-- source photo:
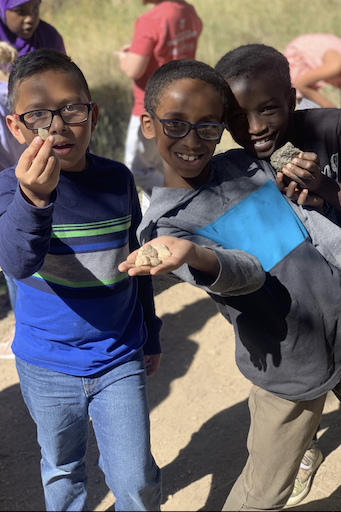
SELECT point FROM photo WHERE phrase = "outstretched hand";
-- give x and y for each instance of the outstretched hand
(38, 171)
(180, 253)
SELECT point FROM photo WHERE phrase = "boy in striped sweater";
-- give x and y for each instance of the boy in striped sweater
(86, 335)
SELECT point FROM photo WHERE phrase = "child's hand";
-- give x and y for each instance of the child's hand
(152, 363)
(38, 171)
(299, 178)
(305, 170)
(301, 196)
(180, 250)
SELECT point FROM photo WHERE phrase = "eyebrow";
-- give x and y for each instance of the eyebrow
(177, 116)
(268, 101)
(64, 103)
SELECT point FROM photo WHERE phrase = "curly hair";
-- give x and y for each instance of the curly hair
(253, 60)
(179, 70)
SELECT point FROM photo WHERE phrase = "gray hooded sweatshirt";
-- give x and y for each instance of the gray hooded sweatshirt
(280, 272)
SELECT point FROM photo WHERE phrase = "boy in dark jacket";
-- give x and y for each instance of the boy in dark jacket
(266, 262)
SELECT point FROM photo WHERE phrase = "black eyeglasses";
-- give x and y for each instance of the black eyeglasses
(71, 114)
(179, 129)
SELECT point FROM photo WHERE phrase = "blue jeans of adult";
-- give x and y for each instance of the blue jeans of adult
(116, 401)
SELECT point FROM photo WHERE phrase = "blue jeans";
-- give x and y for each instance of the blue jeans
(116, 401)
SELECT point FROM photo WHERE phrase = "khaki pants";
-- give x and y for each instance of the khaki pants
(280, 432)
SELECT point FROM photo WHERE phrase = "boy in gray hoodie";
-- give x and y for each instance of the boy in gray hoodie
(269, 265)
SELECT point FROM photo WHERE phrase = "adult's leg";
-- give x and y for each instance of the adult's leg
(120, 417)
(142, 158)
(58, 405)
(280, 432)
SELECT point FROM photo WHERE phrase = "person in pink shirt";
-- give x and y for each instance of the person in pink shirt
(168, 31)
(314, 60)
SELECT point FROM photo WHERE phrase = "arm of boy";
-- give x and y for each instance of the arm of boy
(217, 270)
(182, 251)
(38, 171)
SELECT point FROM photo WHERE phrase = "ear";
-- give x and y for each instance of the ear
(292, 99)
(94, 116)
(15, 129)
(147, 125)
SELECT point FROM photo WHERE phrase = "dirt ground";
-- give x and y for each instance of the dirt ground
(199, 419)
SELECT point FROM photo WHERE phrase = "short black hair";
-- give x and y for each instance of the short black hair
(253, 60)
(181, 69)
(38, 62)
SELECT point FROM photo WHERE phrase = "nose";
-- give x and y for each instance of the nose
(257, 124)
(31, 15)
(57, 125)
(192, 140)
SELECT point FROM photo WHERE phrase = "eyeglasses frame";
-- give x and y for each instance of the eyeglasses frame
(20, 117)
(190, 127)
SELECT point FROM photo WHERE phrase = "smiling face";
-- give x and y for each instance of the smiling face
(54, 90)
(23, 20)
(187, 160)
(259, 115)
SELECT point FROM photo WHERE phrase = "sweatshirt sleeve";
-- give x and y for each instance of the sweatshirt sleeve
(25, 230)
(240, 272)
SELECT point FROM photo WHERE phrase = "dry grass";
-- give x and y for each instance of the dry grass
(93, 30)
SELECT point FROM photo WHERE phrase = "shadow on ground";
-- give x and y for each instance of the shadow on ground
(20, 485)
(218, 448)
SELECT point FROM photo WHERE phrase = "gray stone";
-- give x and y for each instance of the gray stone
(282, 156)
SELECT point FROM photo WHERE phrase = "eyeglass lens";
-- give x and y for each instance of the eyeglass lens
(71, 114)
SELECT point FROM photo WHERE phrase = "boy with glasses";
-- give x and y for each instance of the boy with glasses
(269, 265)
(86, 335)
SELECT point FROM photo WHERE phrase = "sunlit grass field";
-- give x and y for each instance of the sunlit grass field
(93, 29)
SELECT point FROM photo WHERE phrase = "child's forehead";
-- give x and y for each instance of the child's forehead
(183, 91)
(49, 86)
(51, 78)
(183, 85)
(266, 83)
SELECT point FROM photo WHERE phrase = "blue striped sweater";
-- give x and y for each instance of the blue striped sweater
(76, 313)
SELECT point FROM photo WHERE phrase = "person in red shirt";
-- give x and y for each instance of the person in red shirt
(168, 31)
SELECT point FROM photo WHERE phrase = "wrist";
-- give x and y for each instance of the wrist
(40, 201)
(330, 191)
(204, 259)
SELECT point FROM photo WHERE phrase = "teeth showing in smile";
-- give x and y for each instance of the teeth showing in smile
(187, 157)
(261, 142)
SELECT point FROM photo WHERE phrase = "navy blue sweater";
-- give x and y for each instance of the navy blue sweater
(76, 313)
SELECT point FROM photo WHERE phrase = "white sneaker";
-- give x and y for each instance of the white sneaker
(308, 467)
